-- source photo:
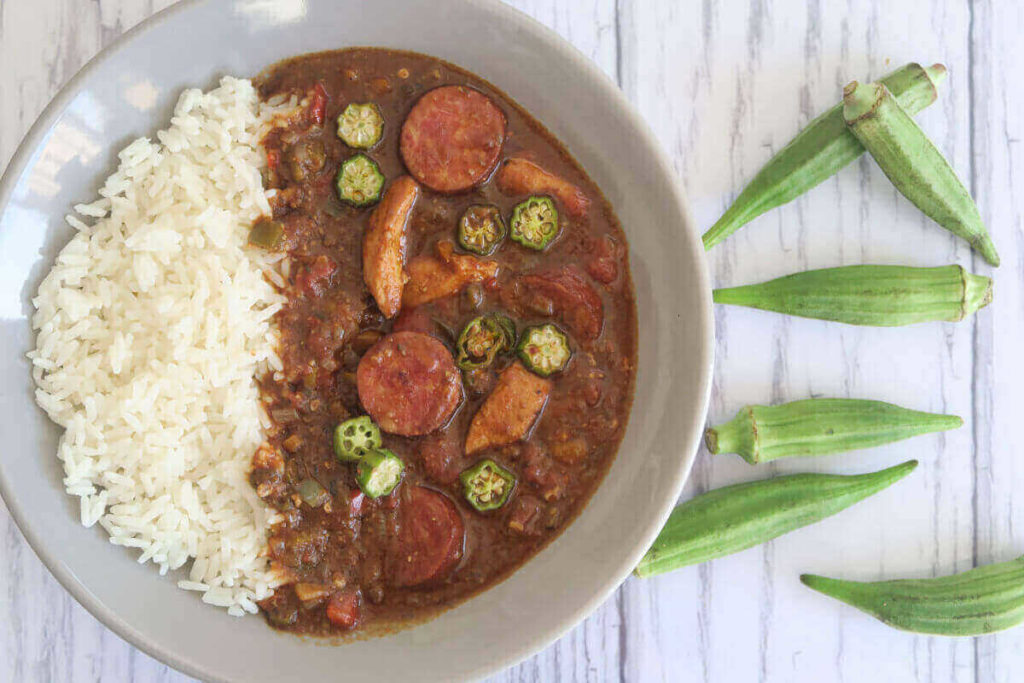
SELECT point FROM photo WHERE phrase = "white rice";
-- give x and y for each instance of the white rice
(151, 328)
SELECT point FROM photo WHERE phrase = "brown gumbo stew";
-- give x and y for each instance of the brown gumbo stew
(458, 342)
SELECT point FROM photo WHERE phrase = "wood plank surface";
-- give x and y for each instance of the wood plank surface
(724, 85)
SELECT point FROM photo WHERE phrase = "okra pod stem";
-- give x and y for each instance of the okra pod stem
(982, 600)
(818, 152)
(738, 517)
(819, 426)
(914, 165)
(868, 295)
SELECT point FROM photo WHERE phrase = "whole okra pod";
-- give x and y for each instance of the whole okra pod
(738, 517)
(868, 295)
(982, 600)
(819, 426)
(818, 152)
(913, 164)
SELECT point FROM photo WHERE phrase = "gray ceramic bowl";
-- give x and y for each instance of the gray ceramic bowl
(128, 91)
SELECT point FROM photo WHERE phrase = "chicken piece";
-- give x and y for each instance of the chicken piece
(518, 176)
(384, 245)
(510, 411)
(568, 294)
(435, 277)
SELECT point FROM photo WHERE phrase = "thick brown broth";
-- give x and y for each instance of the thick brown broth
(340, 555)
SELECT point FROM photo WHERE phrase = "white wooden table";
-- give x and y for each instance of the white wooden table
(724, 84)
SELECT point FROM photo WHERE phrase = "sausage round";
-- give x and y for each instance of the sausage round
(430, 538)
(452, 138)
(408, 383)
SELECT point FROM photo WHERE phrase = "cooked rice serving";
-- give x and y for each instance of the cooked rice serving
(152, 325)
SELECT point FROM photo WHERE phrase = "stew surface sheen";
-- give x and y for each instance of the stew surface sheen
(357, 563)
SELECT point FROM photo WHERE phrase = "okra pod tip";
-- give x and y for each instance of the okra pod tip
(816, 582)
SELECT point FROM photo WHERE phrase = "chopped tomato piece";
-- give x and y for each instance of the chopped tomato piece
(343, 609)
(318, 103)
(314, 280)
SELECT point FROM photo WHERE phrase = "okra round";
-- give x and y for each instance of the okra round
(734, 518)
(818, 152)
(819, 426)
(868, 295)
(978, 601)
(913, 164)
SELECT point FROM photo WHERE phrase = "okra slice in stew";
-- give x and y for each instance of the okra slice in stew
(379, 472)
(356, 437)
(266, 233)
(361, 125)
(359, 181)
(544, 349)
(482, 339)
(487, 485)
(481, 229)
(534, 223)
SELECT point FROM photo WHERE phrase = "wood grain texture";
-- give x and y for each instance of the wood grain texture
(723, 85)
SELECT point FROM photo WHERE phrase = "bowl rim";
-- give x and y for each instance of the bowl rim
(609, 90)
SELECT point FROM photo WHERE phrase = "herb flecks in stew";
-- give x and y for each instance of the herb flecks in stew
(430, 433)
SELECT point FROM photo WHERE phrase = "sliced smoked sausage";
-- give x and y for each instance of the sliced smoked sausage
(452, 138)
(408, 383)
(430, 538)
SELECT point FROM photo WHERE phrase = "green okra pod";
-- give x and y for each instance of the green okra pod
(868, 295)
(818, 152)
(913, 164)
(981, 600)
(738, 517)
(819, 426)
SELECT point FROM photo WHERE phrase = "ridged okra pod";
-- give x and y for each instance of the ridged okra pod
(982, 600)
(818, 152)
(913, 164)
(738, 517)
(819, 426)
(869, 295)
